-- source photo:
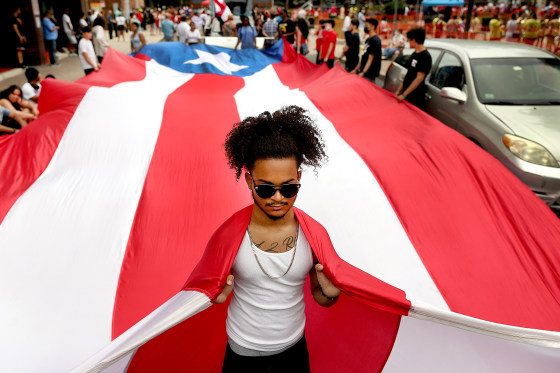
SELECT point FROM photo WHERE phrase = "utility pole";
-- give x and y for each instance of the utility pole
(396, 15)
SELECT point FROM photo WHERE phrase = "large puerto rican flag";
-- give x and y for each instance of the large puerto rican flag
(110, 197)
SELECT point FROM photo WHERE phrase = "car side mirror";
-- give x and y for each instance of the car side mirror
(454, 94)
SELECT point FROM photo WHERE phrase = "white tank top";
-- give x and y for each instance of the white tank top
(268, 314)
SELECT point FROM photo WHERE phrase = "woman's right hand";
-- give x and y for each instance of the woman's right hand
(227, 290)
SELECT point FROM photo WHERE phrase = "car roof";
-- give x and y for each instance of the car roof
(475, 49)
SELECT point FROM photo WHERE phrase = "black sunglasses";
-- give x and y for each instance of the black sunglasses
(268, 190)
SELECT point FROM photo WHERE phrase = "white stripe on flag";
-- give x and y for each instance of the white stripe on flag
(64, 240)
(182, 306)
(426, 346)
(343, 193)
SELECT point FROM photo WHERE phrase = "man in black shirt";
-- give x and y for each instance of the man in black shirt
(352, 48)
(370, 65)
(413, 88)
(287, 27)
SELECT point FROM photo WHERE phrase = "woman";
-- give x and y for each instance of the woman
(100, 42)
(193, 35)
(512, 29)
(229, 28)
(18, 36)
(137, 40)
(25, 110)
(302, 32)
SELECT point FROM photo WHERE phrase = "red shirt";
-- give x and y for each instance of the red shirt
(328, 38)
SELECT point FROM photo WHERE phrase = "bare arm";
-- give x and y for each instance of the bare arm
(238, 41)
(331, 47)
(89, 61)
(142, 42)
(415, 83)
(28, 105)
(226, 292)
(368, 65)
(323, 290)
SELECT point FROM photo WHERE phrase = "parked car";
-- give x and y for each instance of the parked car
(505, 97)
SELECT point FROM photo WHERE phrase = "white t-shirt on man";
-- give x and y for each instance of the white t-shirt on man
(86, 46)
(268, 315)
(28, 92)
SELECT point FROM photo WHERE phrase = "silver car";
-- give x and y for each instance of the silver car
(505, 97)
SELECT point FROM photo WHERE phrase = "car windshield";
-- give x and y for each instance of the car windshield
(517, 81)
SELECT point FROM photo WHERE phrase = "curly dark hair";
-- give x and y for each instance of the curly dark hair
(288, 132)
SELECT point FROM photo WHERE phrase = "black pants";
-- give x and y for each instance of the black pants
(88, 71)
(293, 360)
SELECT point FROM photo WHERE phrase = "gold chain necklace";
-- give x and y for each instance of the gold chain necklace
(259, 263)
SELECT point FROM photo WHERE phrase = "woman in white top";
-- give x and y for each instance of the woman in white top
(100, 43)
(121, 21)
(193, 35)
(512, 29)
(137, 40)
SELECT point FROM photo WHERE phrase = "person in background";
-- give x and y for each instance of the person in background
(168, 28)
(531, 29)
(182, 29)
(352, 48)
(50, 30)
(370, 63)
(495, 27)
(20, 41)
(111, 24)
(100, 43)
(121, 21)
(413, 88)
(347, 21)
(397, 44)
(302, 32)
(193, 35)
(270, 31)
(84, 21)
(287, 27)
(319, 41)
(512, 29)
(86, 52)
(246, 35)
(328, 43)
(11, 100)
(362, 23)
(32, 89)
(69, 30)
(229, 28)
(137, 39)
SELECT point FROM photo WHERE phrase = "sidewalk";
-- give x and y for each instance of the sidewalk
(69, 67)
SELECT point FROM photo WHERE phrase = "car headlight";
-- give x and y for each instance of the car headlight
(529, 151)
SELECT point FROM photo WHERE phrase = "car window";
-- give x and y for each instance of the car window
(517, 81)
(435, 54)
(449, 72)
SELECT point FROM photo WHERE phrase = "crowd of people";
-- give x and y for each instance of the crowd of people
(510, 23)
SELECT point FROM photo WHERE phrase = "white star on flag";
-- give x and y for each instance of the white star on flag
(221, 61)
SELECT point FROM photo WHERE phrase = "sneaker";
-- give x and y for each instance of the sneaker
(55, 64)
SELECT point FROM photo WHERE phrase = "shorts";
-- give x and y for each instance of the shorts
(120, 27)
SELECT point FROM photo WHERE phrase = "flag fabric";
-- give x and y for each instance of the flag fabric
(221, 9)
(111, 197)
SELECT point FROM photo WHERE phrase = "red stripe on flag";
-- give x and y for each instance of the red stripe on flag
(189, 191)
(488, 242)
